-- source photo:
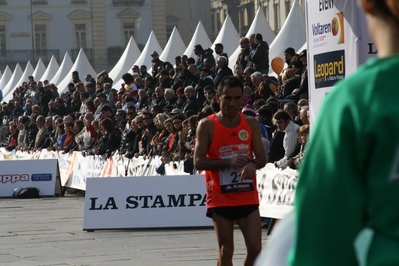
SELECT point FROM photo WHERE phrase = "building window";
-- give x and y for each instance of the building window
(128, 22)
(128, 31)
(80, 35)
(169, 30)
(2, 38)
(40, 37)
(213, 24)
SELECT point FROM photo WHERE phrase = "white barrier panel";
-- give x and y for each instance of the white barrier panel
(41, 174)
(276, 189)
(145, 202)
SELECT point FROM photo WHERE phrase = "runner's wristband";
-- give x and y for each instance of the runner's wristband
(256, 163)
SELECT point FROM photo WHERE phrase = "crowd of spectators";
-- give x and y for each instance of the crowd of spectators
(157, 113)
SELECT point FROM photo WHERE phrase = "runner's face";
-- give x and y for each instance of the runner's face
(230, 101)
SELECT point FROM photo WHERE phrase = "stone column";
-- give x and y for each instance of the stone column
(99, 37)
(159, 20)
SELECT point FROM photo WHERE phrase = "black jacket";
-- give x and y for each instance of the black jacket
(260, 57)
(224, 72)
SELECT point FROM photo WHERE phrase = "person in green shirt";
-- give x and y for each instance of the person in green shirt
(349, 179)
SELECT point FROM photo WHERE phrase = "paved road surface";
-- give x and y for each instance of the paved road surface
(48, 231)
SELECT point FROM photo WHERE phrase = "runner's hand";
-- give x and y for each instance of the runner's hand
(248, 172)
(239, 161)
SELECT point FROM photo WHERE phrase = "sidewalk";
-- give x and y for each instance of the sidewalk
(48, 231)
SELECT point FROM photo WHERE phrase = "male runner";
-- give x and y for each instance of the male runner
(229, 147)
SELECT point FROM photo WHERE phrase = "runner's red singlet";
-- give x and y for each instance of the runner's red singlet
(224, 187)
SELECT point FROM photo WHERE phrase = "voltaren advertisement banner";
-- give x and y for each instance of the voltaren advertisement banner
(41, 174)
(338, 42)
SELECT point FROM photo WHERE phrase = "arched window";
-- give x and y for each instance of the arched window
(128, 23)
(80, 20)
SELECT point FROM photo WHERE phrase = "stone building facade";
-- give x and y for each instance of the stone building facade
(33, 29)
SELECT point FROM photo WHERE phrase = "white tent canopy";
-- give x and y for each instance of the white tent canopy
(27, 72)
(228, 36)
(151, 46)
(16, 75)
(5, 78)
(292, 34)
(304, 47)
(39, 70)
(82, 65)
(199, 37)
(145, 56)
(259, 25)
(51, 70)
(173, 48)
(131, 53)
(64, 68)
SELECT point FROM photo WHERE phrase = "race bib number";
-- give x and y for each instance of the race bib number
(231, 182)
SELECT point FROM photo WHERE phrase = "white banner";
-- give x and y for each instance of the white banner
(276, 189)
(145, 202)
(338, 42)
(41, 174)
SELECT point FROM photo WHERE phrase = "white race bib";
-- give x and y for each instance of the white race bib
(231, 182)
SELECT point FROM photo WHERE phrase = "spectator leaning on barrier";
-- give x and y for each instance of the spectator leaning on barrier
(303, 134)
(290, 140)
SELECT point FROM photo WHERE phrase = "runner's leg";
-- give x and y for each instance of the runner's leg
(251, 228)
(224, 233)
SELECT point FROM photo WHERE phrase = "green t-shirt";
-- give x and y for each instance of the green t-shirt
(347, 178)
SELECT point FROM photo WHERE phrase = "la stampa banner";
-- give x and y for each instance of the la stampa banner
(338, 42)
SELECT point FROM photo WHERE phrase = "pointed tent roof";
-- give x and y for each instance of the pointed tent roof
(82, 65)
(63, 69)
(259, 25)
(51, 70)
(200, 37)
(228, 36)
(173, 48)
(27, 72)
(39, 70)
(292, 34)
(16, 75)
(151, 46)
(131, 53)
(5, 78)
(304, 47)
(145, 56)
